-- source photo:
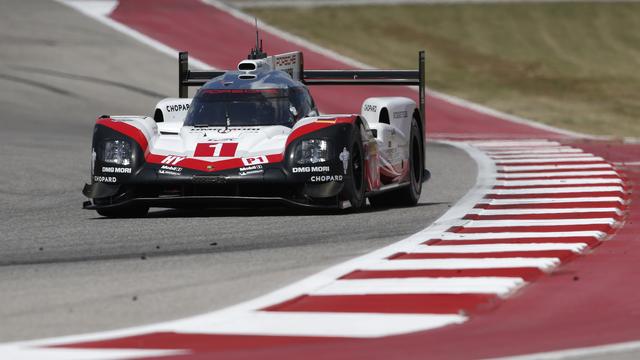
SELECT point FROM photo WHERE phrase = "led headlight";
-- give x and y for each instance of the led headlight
(117, 152)
(312, 152)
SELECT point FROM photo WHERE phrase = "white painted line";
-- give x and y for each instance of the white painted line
(521, 235)
(510, 168)
(529, 151)
(502, 144)
(281, 323)
(587, 181)
(557, 190)
(577, 211)
(545, 222)
(17, 352)
(556, 174)
(585, 200)
(484, 248)
(484, 181)
(603, 352)
(455, 285)
(547, 160)
(453, 264)
(543, 156)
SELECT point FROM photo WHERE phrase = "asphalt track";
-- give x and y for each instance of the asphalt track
(64, 270)
(580, 305)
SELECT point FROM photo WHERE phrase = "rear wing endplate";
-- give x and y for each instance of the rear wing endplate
(187, 78)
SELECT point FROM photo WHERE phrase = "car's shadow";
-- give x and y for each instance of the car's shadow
(264, 211)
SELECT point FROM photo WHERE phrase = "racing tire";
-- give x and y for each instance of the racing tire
(354, 184)
(410, 194)
(123, 212)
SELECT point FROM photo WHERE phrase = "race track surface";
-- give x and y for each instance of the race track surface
(64, 270)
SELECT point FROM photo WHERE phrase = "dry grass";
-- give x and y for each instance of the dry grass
(575, 66)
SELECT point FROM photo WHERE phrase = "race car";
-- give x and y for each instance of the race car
(255, 135)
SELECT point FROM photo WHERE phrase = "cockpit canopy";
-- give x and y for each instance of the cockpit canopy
(233, 101)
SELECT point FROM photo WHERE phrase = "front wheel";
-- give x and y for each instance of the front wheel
(354, 184)
(410, 194)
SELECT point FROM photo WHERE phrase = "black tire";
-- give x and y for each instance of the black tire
(127, 211)
(354, 184)
(410, 194)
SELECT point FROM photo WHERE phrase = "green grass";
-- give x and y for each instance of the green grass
(575, 66)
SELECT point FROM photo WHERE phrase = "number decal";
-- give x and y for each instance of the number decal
(226, 149)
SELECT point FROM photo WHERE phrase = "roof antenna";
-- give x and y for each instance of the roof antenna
(257, 53)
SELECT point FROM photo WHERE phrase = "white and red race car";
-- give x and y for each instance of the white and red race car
(255, 134)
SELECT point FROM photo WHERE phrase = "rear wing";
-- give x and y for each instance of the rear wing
(187, 78)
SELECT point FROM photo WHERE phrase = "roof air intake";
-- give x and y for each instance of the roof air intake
(247, 66)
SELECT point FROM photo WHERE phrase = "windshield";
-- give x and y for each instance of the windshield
(241, 107)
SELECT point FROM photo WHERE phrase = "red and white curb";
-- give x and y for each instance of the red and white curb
(536, 205)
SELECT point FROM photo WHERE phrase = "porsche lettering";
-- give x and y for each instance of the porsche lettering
(370, 108)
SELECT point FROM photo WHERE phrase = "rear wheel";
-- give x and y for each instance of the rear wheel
(126, 211)
(410, 194)
(354, 184)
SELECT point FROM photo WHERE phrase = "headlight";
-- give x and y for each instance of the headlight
(312, 152)
(117, 152)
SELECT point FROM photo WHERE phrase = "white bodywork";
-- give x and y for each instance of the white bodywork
(172, 138)
(174, 110)
(391, 119)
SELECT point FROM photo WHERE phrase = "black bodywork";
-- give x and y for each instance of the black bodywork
(174, 186)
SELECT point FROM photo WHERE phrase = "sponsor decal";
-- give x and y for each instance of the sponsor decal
(286, 59)
(223, 130)
(370, 108)
(252, 167)
(399, 114)
(217, 149)
(177, 107)
(170, 170)
(326, 121)
(117, 170)
(255, 160)
(325, 178)
(172, 159)
(344, 157)
(105, 179)
(251, 170)
(307, 169)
